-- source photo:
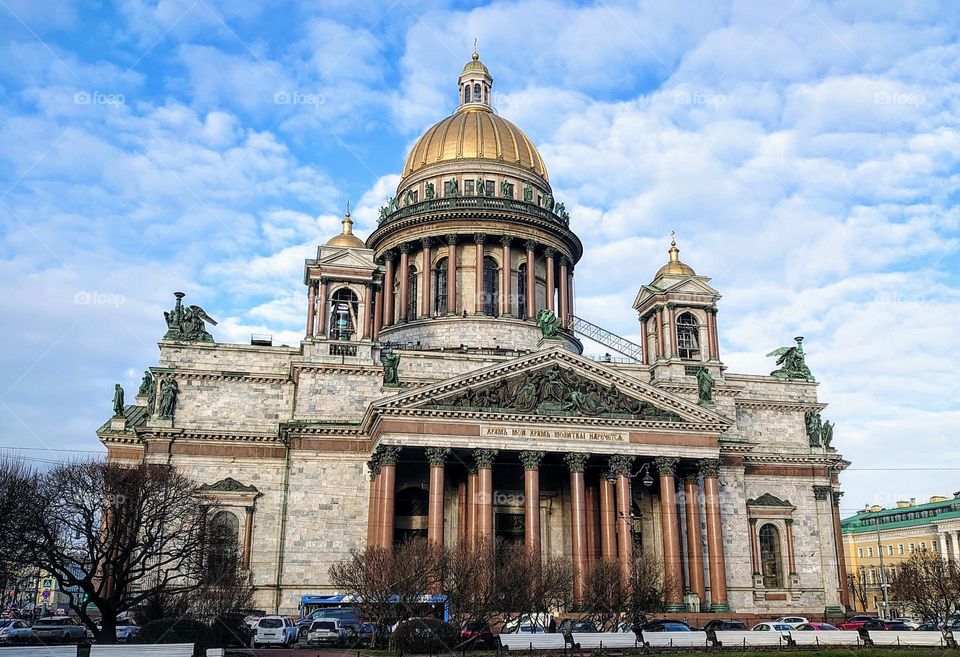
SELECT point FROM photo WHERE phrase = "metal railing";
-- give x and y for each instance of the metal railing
(474, 203)
(608, 339)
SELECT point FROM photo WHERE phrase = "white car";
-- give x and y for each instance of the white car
(14, 629)
(773, 626)
(326, 631)
(275, 631)
(909, 622)
(792, 621)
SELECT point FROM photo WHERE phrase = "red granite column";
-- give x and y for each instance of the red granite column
(506, 291)
(388, 289)
(404, 275)
(754, 547)
(427, 296)
(791, 557)
(551, 282)
(564, 294)
(578, 523)
(311, 306)
(436, 456)
(531, 501)
(593, 533)
(570, 295)
(670, 527)
(710, 469)
(388, 475)
(247, 538)
(478, 296)
(364, 310)
(841, 556)
(472, 506)
(322, 309)
(691, 495)
(661, 343)
(484, 460)
(672, 318)
(373, 508)
(451, 274)
(531, 280)
(608, 520)
(620, 464)
(462, 511)
(378, 311)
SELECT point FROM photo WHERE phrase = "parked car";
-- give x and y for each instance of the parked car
(817, 627)
(478, 634)
(579, 626)
(792, 621)
(856, 622)
(909, 622)
(326, 632)
(14, 630)
(665, 625)
(528, 624)
(54, 629)
(773, 626)
(275, 631)
(720, 624)
(877, 624)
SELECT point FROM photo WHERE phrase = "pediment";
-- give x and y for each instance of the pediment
(349, 258)
(692, 285)
(769, 500)
(228, 485)
(555, 384)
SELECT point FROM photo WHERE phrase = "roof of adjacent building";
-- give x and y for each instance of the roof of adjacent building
(899, 517)
(136, 416)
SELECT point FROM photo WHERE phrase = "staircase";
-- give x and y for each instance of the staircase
(611, 340)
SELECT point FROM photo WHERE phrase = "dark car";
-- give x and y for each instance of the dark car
(855, 622)
(722, 625)
(475, 634)
(665, 626)
(884, 625)
(581, 626)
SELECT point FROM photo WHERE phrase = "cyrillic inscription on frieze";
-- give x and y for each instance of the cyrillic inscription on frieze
(547, 433)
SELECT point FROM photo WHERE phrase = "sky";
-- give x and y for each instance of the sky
(805, 153)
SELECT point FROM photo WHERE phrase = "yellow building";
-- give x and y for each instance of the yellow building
(876, 540)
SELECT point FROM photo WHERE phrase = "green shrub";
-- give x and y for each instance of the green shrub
(425, 636)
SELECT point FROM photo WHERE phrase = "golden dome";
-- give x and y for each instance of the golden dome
(674, 267)
(476, 66)
(346, 239)
(475, 132)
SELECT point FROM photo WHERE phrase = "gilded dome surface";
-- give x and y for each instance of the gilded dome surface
(475, 133)
(346, 238)
(674, 267)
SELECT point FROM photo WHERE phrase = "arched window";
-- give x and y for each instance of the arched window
(466, 93)
(771, 565)
(491, 286)
(223, 547)
(411, 293)
(343, 315)
(440, 289)
(688, 336)
(476, 91)
(522, 291)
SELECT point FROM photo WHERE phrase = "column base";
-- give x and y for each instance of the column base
(675, 606)
(719, 608)
(834, 610)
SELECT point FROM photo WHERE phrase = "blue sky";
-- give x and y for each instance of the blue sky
(805, 152)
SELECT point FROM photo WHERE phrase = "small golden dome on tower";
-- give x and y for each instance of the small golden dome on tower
(674, 267)
(346, 239)
(475, 65)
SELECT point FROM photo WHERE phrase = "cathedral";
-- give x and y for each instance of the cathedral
(441, 390)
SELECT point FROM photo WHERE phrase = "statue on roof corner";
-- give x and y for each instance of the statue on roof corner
(391, 364)
(705, 384)
(548, 322)
(792, 363)
(186, 323)
(117, 400)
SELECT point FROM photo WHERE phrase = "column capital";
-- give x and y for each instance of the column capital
(565, 261)
(530, 245)
(666, 465)
(373, 465)
(452, 238)
(437, 455)
(709, 467)
(576, 461)
(691, 478)
(388, 256)
(531, 460)
(505, 240)
(822, 492)
(484, 457)
(387, 454)
(837, 494)
(426, 242)
(479, 238)
(621, 463)
(404, 248)
(788, 522)
(550, 252)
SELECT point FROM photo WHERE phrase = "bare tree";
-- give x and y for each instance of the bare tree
(857, 583)
(605, 597)
(115, 536)
(470, 582)
(17, 484)
(929, 585)
(647, 588)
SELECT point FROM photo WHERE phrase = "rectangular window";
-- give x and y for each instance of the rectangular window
(870, 552)
(413, 195)
(900, 549)
(489, 188)
(890, 550)
(860, 552)
(468, 188)
(923, 545)
(912, 548)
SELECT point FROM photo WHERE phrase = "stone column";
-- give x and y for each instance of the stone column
(484, 460)
(578, 522)
(451, 274)
(531, 501)
(841, 554)
(364, 309)
(506, 291)
(373, 508)
(570, 296)
(427, 285)
(608, 520)
(478, 297)
(621, 464)
(564, 296)
(944, 554)
(436, 456)
(388, 478)
(461, 511)
(710, 469)
(714, 337)
(404, 275)
(593, 533)
(754, 548)
(531, 280)
(672, 318)
(691, 494)
(388, 289)
(791, 557)
(471, 506)
(247, 537)
(670, 527)
(311, 306)
(955, 543)
(661, 343)
(322, 309)
(377, 311)
(551, 282)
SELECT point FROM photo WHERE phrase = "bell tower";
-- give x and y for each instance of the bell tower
(678, 321)
(476, 84)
